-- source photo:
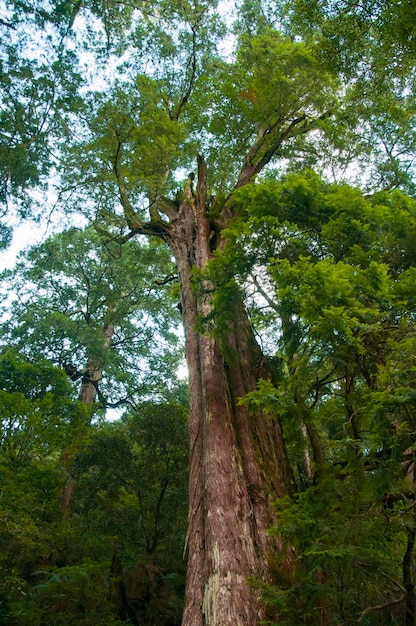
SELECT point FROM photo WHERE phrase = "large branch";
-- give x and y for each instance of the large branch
(166, 206)
(382, 607)
(174, 115)
(137, 226)
(201, 187)
(260, 155)
(133, 220)
(150, 229)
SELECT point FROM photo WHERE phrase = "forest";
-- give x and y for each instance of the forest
(208, 357)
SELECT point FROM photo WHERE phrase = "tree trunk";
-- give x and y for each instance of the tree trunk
(90, 380)
(238, 464)
(87, 395)
(408, 577)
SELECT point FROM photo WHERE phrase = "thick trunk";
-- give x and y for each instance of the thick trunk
(89, 382)
(238, 464)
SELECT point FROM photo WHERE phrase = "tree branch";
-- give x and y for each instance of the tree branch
(265, 295)
(167, 206)
(107, 236)
(380, 607)
(7, 24)
(299, 126)
(174, 116)
(160, 282)
(155, 227)
(132, 219)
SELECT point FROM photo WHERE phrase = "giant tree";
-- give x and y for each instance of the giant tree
(232, 118)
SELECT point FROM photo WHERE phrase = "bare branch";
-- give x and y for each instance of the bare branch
(160, 282)
(7, 24)
(380, 607)
(265, 295)
(175, 115)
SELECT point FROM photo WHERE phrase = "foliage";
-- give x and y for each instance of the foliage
(131, 495)
(334, 294)
(96, 303)
(117, 552)
(371, 45)
(38, 94)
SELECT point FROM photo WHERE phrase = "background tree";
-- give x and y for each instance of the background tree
(108, 325)
(107, 320)
(132, 494)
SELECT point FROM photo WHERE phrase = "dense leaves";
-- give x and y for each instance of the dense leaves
(335, 296)
(116, 553)
(87, 305)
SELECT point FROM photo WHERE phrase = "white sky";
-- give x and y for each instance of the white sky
(25, 235)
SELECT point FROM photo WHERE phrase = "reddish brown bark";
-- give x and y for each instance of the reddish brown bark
(238, 464)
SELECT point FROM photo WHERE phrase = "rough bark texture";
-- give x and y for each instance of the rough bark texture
(238, 464)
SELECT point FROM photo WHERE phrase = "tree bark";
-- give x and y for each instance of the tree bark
(238, 463)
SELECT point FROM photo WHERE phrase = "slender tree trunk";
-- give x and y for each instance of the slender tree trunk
(238, 464)
(89, 382)
(87, 395)
(408, 577)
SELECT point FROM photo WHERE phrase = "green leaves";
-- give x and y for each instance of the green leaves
(329, 279)
(282, 79)
(132, 138)
(333, 300)
(124, 531)
(82, 302)
(370, 46)
(36, 96)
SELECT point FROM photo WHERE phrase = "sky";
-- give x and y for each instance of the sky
(25, 235)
